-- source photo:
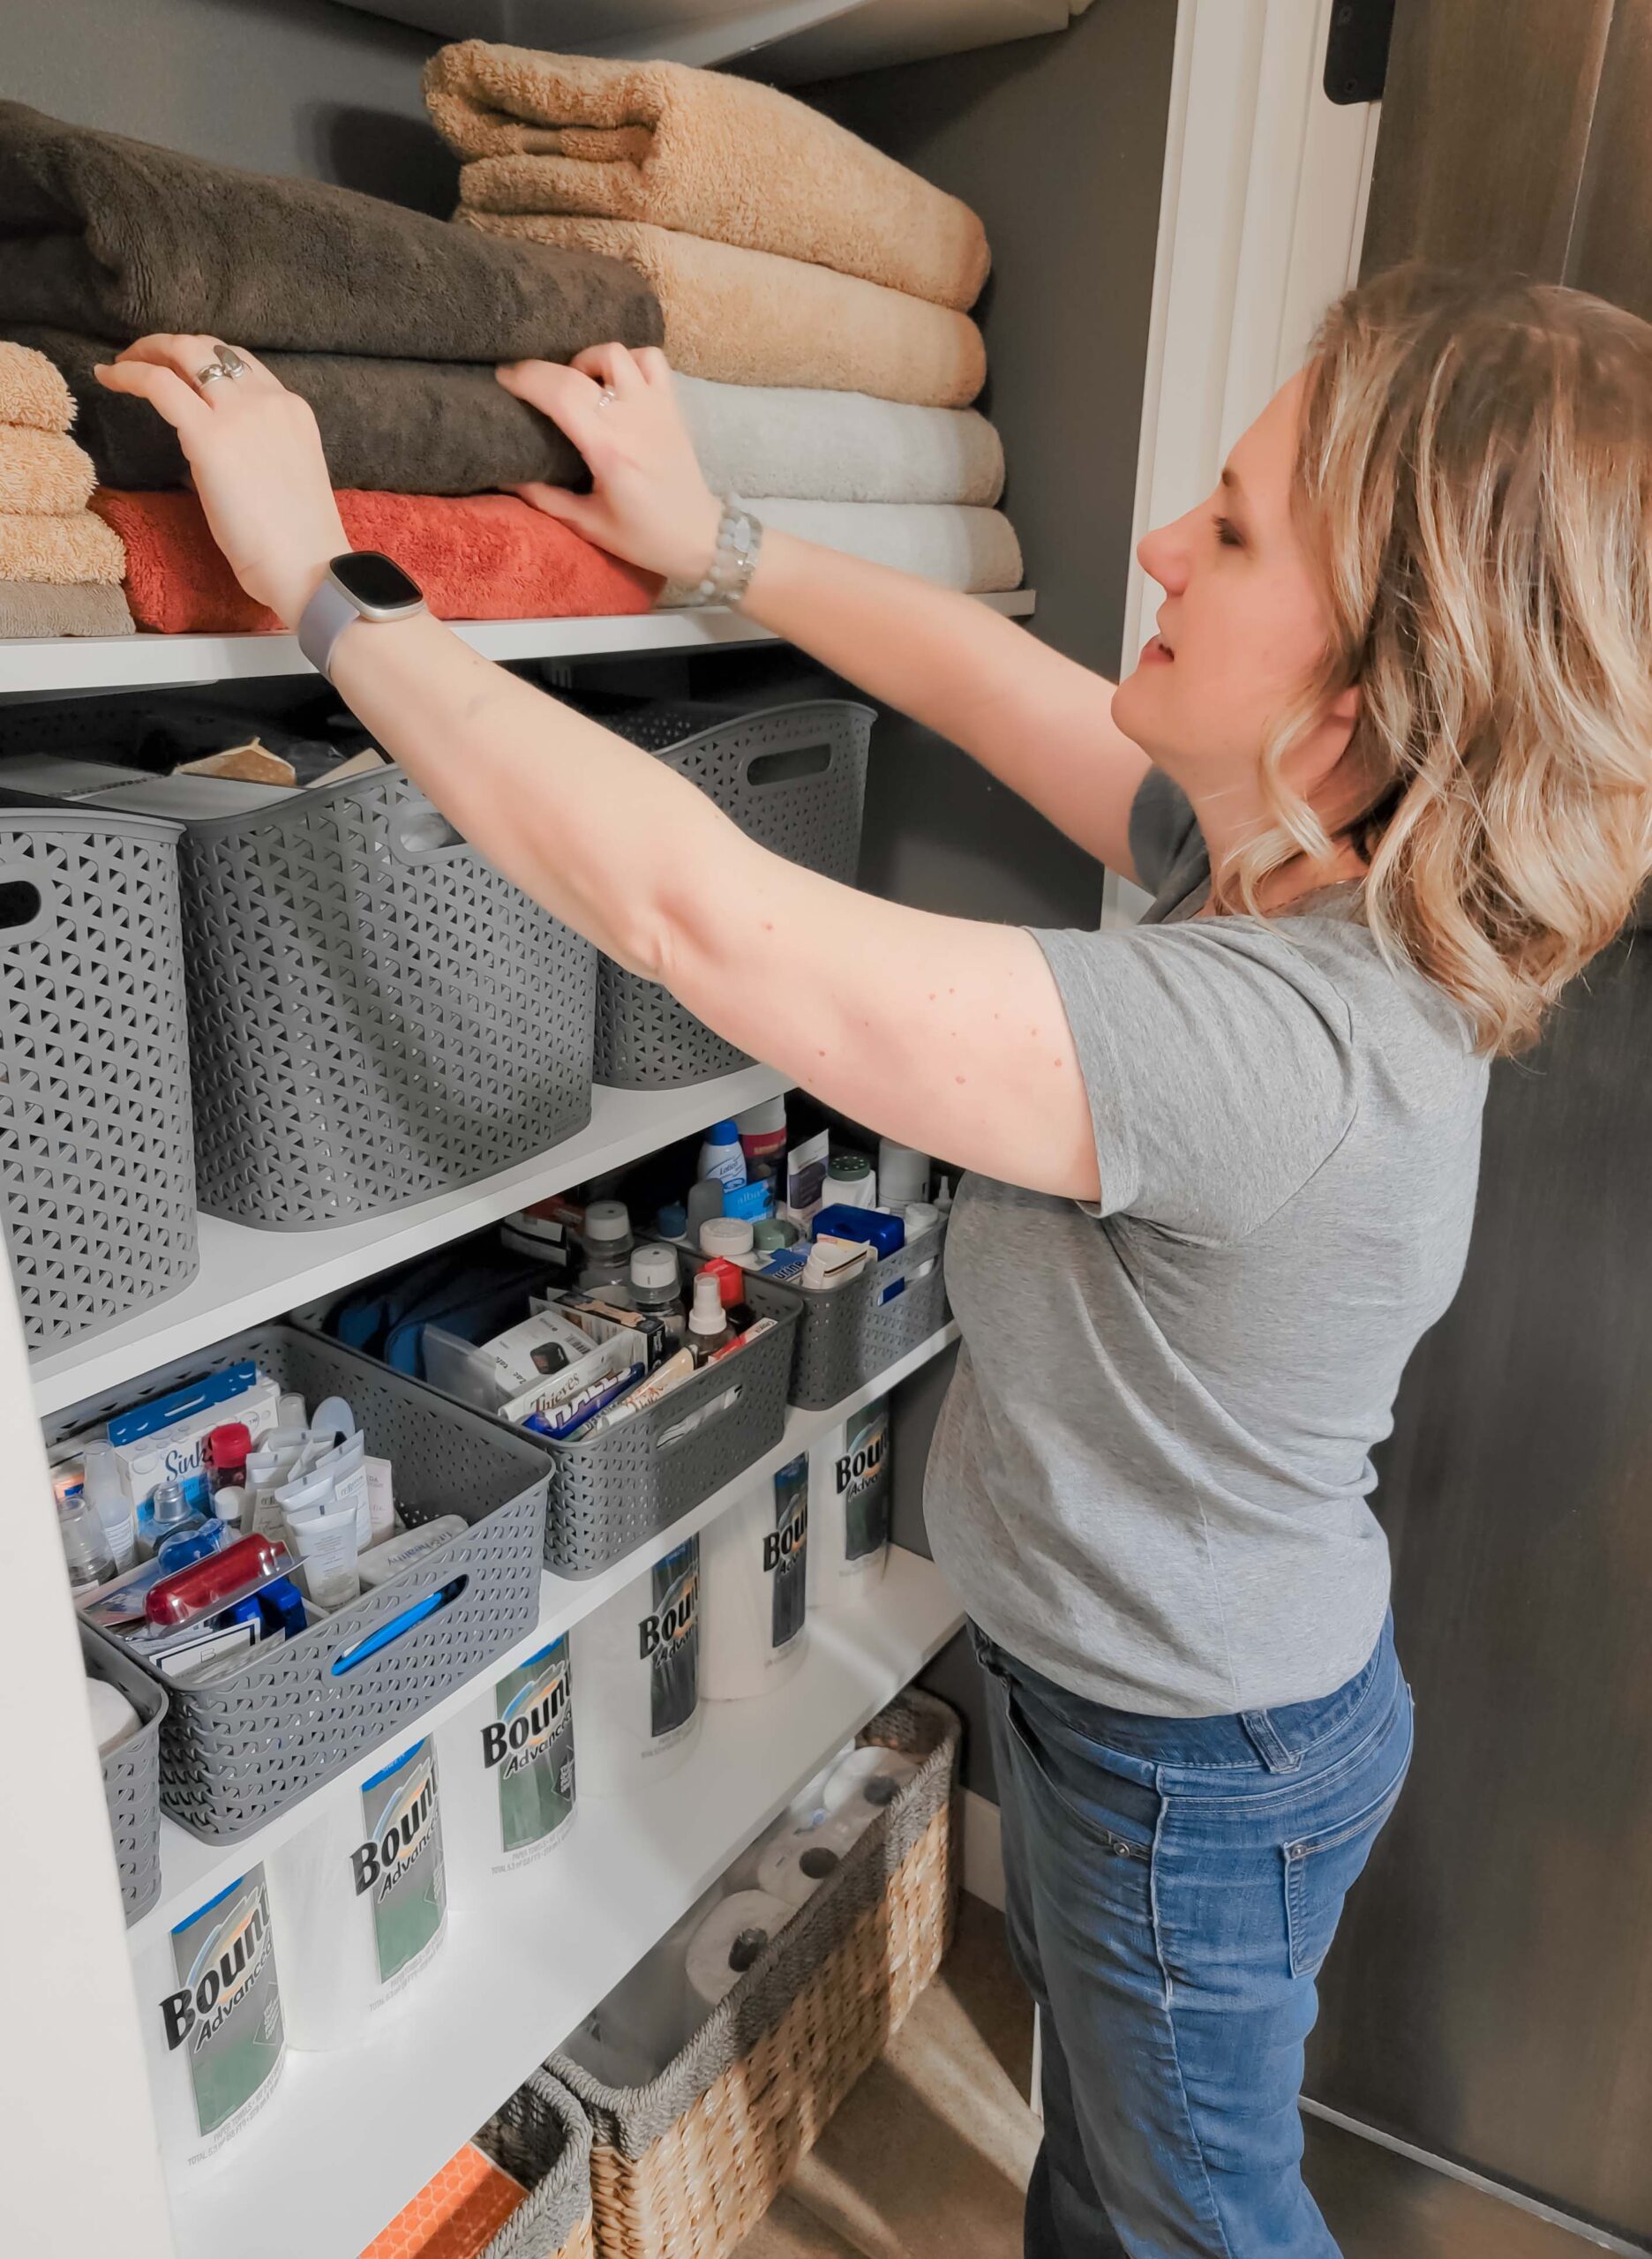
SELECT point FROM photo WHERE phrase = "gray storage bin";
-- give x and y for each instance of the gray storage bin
(131, 1773)
(848, 1335)
(793, 778)
(376, 1015)
(97, 1172)
(541, 2138)
(269, 1731)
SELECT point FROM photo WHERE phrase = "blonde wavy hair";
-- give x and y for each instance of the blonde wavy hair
(1475, 480)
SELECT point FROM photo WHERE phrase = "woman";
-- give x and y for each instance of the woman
(1386, 765)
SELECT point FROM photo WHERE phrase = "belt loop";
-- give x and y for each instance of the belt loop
(1265, 1739)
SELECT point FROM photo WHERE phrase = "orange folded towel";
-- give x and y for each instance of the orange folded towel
(456, 2214)
(43, 474)
(476, 556)
(31, 390)
(58, 550)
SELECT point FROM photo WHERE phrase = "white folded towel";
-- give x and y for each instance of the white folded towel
(756, 441)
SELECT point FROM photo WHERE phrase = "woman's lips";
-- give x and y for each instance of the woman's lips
(1156, 654)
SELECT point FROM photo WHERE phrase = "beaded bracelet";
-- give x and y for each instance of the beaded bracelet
(734, 560)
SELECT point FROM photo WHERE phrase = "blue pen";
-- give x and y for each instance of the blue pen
(397, 1624)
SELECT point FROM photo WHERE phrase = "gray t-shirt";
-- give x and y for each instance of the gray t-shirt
(1151, 1473)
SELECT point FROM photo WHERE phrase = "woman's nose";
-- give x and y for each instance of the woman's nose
(1162, 555)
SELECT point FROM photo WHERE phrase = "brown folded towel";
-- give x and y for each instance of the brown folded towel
(31, 392)
(403, 427)
(42, 473)
(61, 550)
(81, 608)
(111, 238)
(749, 318)
(701, 152)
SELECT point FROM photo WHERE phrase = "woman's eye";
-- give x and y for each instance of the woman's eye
(1226, 534)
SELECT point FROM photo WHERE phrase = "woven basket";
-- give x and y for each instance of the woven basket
(543, 2138)
(686, 2168)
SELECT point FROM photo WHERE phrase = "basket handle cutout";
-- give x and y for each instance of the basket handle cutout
(787, 765)
(718, 1408)
(419, 833)
(397, 1628)
(21, 902)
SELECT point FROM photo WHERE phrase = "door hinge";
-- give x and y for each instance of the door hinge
(1357, 50)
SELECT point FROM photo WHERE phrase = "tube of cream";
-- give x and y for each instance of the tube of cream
(327, 1548)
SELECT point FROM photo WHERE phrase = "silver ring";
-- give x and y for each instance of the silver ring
(606, 397)
(228, 364)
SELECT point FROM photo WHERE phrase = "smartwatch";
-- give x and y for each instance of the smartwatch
(363, 584)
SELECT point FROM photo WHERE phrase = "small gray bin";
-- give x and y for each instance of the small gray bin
(848, 1335)
(97, 1174)
(260, 1737)
(131, 1773)
(376, 1015)
(542, 2138)
(793, 778)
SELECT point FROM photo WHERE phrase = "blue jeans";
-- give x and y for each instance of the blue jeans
(1172, 1887)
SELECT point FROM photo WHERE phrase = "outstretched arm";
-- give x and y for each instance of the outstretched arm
(949, 1035)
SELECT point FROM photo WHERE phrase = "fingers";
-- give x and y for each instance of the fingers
(581, 514)
(612, 366)
(572, 400)
(165, 391)
(653, 367)
(188, 355)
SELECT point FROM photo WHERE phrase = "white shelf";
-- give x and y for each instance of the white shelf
(349, 2137)
(192, 1872)
(247, 1276)
(78, 664)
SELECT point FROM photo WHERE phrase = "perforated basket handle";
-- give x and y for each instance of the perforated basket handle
(804, 742)
(420, 833)
(24, 901)
(723, 1406)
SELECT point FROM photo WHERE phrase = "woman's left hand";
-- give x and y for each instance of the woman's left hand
(255, 458)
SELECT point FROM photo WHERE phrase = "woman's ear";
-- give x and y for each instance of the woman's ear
(1345, 706)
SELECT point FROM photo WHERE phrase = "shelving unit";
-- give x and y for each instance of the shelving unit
(349, 2137)
(81, 665)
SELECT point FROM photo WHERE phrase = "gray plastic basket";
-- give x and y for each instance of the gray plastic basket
(262, 1736)
(97, 1175)
(542, 2138)
(376, 1015)
(793, 778)
(848, 1335)
(131, 1773)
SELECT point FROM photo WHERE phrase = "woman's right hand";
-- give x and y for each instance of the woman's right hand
(648, 503)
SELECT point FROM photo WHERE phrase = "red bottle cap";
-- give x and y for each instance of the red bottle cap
(229, 1446)
(731, 1280)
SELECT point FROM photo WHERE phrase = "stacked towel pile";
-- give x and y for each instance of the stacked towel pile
(60, 567)
(388, 322)
(813, 292)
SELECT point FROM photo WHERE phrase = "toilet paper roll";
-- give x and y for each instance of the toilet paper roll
(210, 1996)
(806, 1809)
(794, 1865)
(849, 1509)
(755, 1615)
(866, 1783)
(610, 2056)
(507, 1773)
(731, 1937)
(636, 1667)
(360, 1901)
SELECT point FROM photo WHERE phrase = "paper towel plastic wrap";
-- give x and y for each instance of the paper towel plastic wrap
(865, 1783)
(723, 1947)
(849, 1509)
(754, 1615)
(793, 1864)
(636, 1676)
(360, 1902)
(507, 1782)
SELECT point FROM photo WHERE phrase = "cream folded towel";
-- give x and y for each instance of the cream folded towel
(61, 550)
(960, 548)
(82, 608)
(701, 152)
(749, 318)
(31, 391)
(839, 447)
(42, 473)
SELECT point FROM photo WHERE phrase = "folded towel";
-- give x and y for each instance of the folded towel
(31, 392)
(406, 427)
(839, 447)
(751, 317)
(477, 557)
(970, 549)
(59, 549)
(112, 237)
(83, 608)
(701, 152)
(43, 474)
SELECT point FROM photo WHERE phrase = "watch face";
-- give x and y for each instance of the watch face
(376, 580)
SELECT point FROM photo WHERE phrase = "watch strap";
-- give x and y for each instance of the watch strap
(327, 614)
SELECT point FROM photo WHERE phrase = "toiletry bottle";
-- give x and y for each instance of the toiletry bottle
(673, 1221)
(85, 1548)
(657, 1286)
(721, 1158)
(753, 1201)
(225, 1454)
(903, 1174)
(709, 1329)
(943, 1196)
(292, 1411)
(731, 1237)
(605, 1238)
(731, 1287)
(169, 1514)
(190, 1540)
(705, 1200)
(762, 1136)
(850, 1181)
(772, 1234)
(106, 1494)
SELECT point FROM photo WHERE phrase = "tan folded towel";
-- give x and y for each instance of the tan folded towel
(701, 152)
(61, 550)
(31, 391)
(83, 608)
(749, 318)
(43, 474)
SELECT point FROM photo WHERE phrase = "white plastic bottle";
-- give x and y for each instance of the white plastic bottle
(707, 1320)
(721, 1156)
(106, 1494)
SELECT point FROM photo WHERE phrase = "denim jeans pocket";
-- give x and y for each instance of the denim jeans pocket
(1076, 1782)
(1321, 1867)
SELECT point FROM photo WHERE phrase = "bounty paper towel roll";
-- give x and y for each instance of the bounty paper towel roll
(794, 1864)
(507, 1773)
(211, 1999)
(848, 1521)
(865, 1783)
(731, 1937)
(361, 1897)
(754, 1616)
(636, 1664)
